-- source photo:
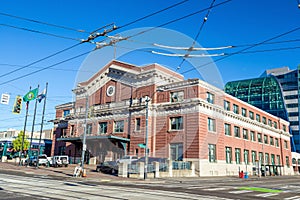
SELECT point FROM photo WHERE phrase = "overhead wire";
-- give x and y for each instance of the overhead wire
(243, 50)
(44, 23)
(40, 32)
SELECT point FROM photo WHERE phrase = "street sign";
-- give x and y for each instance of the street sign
(142, 145)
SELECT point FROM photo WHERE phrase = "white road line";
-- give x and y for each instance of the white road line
(292, 198)
(215, 189)
(267, 195)
(239, 191)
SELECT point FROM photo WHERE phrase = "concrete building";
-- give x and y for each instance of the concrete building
(188, 120)
(6, 138)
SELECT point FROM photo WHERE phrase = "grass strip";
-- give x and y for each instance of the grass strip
(260, 189)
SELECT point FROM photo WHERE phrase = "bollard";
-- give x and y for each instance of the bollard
(84, 173)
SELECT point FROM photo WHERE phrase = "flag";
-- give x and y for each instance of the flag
(18, 105)
(31, 95)
(41, 96)
(5, 98)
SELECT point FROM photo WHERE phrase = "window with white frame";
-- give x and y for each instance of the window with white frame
(227, 128)
(266, 141)
(276, 142)
(102, 129)
(138, 124)
(210, 97)
(258, 117)
(212, 153)
(251, 115)
(245, 134)
(244, 112)
(246, 156)
(226, 105)
(252, 136)
(176, 123)
(237, 132)
(228, 152)
(119, 126)
(236, 109)
(238, 156)
(259, 137)
(253, 155)
(211, 124)
(89, 129)
(267, 158)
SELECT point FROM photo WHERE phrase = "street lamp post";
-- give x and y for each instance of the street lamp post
(147, 133)
(146, 139)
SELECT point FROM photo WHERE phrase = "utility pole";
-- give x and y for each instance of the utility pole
(146, 139)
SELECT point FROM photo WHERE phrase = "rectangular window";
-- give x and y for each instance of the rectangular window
(246, 156)
(102, 128)
(211, 125)
(284, 127)
(227, 129)
(259, 139)
(264, 120)
(253, 156)
(266, 141)
(89, 129)
(176, 150)
(275, 125)
(270, 122)
(251, 115)
(244, 112)
(252, 136)
(226, 105)
(278, 159)
(176, 96)
(267, 161)
(236, 109)
(287, 161)
(212, 153)
(237, 131)
(261, 157)
(119, 126)
(272, 159)
(245, 134)
(210, 97)
(258, 117)
(176, 123)
(228, 154)
(238, 156)
(271, 141)
(138, 124)
(286, 144)
(276, 142)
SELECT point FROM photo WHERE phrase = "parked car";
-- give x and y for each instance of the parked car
(127, 159)
(59, 161)
(109, 167)
(32, 160)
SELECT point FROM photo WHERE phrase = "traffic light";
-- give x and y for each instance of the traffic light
(18, 105)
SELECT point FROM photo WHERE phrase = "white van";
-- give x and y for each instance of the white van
(59, 161)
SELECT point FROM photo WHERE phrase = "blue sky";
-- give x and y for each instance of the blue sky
(234, 23)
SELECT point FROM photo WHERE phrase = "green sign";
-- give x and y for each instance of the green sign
(142, 145)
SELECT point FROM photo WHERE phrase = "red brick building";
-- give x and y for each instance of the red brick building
(188, 120)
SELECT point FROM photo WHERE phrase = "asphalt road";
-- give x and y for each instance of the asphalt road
(17, 185)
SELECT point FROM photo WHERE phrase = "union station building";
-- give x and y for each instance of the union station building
(188, 120)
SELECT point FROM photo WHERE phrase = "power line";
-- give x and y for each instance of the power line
(40, 60)
(44, 23)
(40, 32)
(196, 37)
(152, 14)
(245, 49)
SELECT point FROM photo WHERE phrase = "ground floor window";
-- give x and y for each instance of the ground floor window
(212, 153)
(228, 154)
(176, 151)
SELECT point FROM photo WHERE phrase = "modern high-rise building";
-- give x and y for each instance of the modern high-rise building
(277, 92)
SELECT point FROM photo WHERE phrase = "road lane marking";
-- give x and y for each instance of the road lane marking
(239, 191)
(266, 194)
(292, 198)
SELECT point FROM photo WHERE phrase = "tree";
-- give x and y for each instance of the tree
(17, 143)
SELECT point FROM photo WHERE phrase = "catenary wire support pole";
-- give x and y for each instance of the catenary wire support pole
(85, 130)
(42, 124)
(146, 139)
(32, 129)
(24, 131)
